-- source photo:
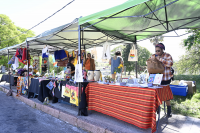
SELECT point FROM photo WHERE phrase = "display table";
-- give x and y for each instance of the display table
(12, 79)
(131, 104)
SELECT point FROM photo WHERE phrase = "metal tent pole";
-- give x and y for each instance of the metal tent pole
(27, 46)
(9, 69)
(79, 62)
(135, 42)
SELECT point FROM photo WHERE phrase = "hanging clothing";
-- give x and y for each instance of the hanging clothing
(106, 51)
(12, 60)
(45, 53)
(19, 53)
(60, 55)
(94, 53)
(35, 64)
(16, 62)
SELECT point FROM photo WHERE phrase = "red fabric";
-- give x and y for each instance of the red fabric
(24, 61)
(17, 53)
(131, 104)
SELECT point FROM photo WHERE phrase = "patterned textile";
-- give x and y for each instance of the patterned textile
(50, 85)
(73, 96)
(19, 85)
(35, 64)
(67, 92)
(167, 61)
(22, 85)
(131, 104)
(12, 60)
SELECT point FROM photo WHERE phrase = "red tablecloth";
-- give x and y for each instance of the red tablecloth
(131, 104)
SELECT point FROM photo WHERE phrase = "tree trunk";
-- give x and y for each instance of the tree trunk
(129, 73)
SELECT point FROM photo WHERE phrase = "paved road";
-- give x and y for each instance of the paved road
(17, 117)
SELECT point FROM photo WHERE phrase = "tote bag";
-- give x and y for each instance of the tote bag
(133, 54)
(154, 66)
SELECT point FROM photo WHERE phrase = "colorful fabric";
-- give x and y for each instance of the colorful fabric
(50, 85)
(131, 104)
(19, 53)
(44, 55)
(67, 92)
(73, 97)
(19, 85)
(167, 61)
(60, 55)
(35, 64)
(12, 60)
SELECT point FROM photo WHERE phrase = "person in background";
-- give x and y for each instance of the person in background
(115, 62)
(167, 62)
(89, 64)
(70, 64)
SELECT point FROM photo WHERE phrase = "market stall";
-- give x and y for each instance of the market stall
(127, 23)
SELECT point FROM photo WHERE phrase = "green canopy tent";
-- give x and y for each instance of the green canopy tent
(142, 19)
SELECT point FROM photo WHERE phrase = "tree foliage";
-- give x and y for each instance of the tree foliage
(9, 30)
(143, 55)
(193, 39)
(155, 40)
(190, 62)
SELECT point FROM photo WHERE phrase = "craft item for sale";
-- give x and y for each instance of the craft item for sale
(67, 92)
(94, 53)
(90, 75)
(60, 55)
(50, 85)
(133, 54)
(12, 60)
(96, 75)
(106, 51)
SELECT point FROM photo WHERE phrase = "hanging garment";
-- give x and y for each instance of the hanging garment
(67, 91)
(35, 63)
(73, 96)
(45, 53)
(94, 53)
(106, 51)
(12, 60)
(19, 53)
(19, 86)
(60, 55)
(16, 62)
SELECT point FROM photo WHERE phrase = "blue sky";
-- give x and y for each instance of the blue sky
(27, 13)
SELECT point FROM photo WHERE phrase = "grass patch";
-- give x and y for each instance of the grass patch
(189, 105)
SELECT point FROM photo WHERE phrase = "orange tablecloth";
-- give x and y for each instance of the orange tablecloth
(131, 104)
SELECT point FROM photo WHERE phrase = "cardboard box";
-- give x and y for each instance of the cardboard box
(191, 87)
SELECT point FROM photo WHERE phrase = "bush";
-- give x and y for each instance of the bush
(188, 77)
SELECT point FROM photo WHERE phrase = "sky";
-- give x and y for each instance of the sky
(28, 13)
